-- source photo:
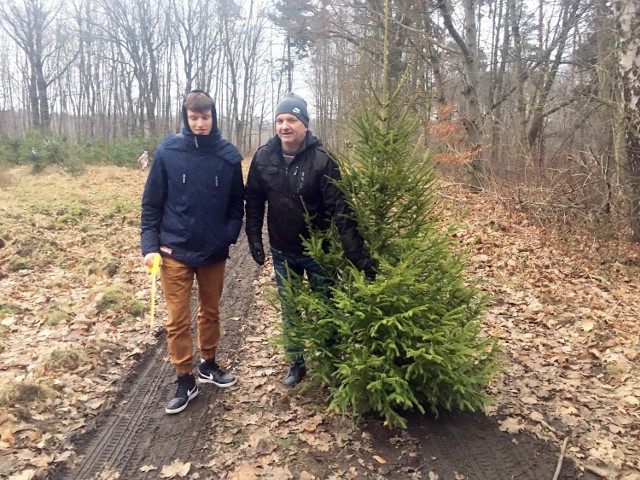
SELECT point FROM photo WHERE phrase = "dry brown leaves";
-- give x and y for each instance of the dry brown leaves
(61, 356)
(566, 315)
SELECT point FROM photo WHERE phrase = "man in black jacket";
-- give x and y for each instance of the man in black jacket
(293, 174)
(192, 210)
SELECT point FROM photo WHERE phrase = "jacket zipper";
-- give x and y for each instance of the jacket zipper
(295, 173)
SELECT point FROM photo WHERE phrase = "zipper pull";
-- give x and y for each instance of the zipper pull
(195, 140)
(184, 178)
(216, 180)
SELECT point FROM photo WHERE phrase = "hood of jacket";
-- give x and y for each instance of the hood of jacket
(201, 140)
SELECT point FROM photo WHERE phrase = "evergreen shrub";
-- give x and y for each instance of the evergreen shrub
(411, 339)
(71, 155)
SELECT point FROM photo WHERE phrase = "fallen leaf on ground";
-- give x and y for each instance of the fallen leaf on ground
(23, 475)
(246, 472)
(176, 469)
(511, 425)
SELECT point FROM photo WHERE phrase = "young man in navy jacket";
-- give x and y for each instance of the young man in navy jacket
(192, 209)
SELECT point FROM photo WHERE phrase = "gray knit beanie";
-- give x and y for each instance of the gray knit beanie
(295, 105)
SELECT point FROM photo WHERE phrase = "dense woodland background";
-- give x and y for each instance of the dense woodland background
(538, 99)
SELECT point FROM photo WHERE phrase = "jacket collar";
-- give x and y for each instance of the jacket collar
(201, 141)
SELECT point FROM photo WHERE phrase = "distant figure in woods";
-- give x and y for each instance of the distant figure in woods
(192, 209)
(292, 174)
(143, 160)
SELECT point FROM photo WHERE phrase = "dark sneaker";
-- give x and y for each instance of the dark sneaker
(187, 390)
(210, 372)
(297, 371)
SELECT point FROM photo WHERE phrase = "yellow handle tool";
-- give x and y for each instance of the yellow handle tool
(153, 271)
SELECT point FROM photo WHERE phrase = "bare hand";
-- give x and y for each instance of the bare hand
(148, 259)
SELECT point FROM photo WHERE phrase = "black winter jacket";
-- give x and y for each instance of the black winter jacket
(193, 201)
(289, 192)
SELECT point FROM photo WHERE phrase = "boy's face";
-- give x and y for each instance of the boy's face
(200, 123)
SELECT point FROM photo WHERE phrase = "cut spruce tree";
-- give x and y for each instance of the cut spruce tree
(412, 338)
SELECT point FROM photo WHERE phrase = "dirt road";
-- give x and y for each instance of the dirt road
(258, 429)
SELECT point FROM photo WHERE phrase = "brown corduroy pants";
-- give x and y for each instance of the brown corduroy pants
(177, 281)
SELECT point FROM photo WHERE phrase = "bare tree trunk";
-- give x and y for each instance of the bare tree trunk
(33, 100)
(607, 78)
(569, 16)
(139, 31)
(28, 24)
(515, 12)
(229, 27)
(198, 39)
(629, 18)
(436, 62)
(499, 55)
(473, 116)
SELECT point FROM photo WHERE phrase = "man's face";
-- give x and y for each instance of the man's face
(200, 123)
(290, 130)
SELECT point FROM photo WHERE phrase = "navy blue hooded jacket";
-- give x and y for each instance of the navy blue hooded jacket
(192, 205)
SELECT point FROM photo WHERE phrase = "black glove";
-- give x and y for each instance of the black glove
(257, 252)
(369, 266)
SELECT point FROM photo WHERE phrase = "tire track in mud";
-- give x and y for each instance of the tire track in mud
(137, 431)
(471, 445)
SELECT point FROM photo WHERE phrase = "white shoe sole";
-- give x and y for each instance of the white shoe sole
(202, 379)
(178, 410)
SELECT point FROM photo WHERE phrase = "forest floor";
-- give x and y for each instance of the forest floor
(84, 377)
